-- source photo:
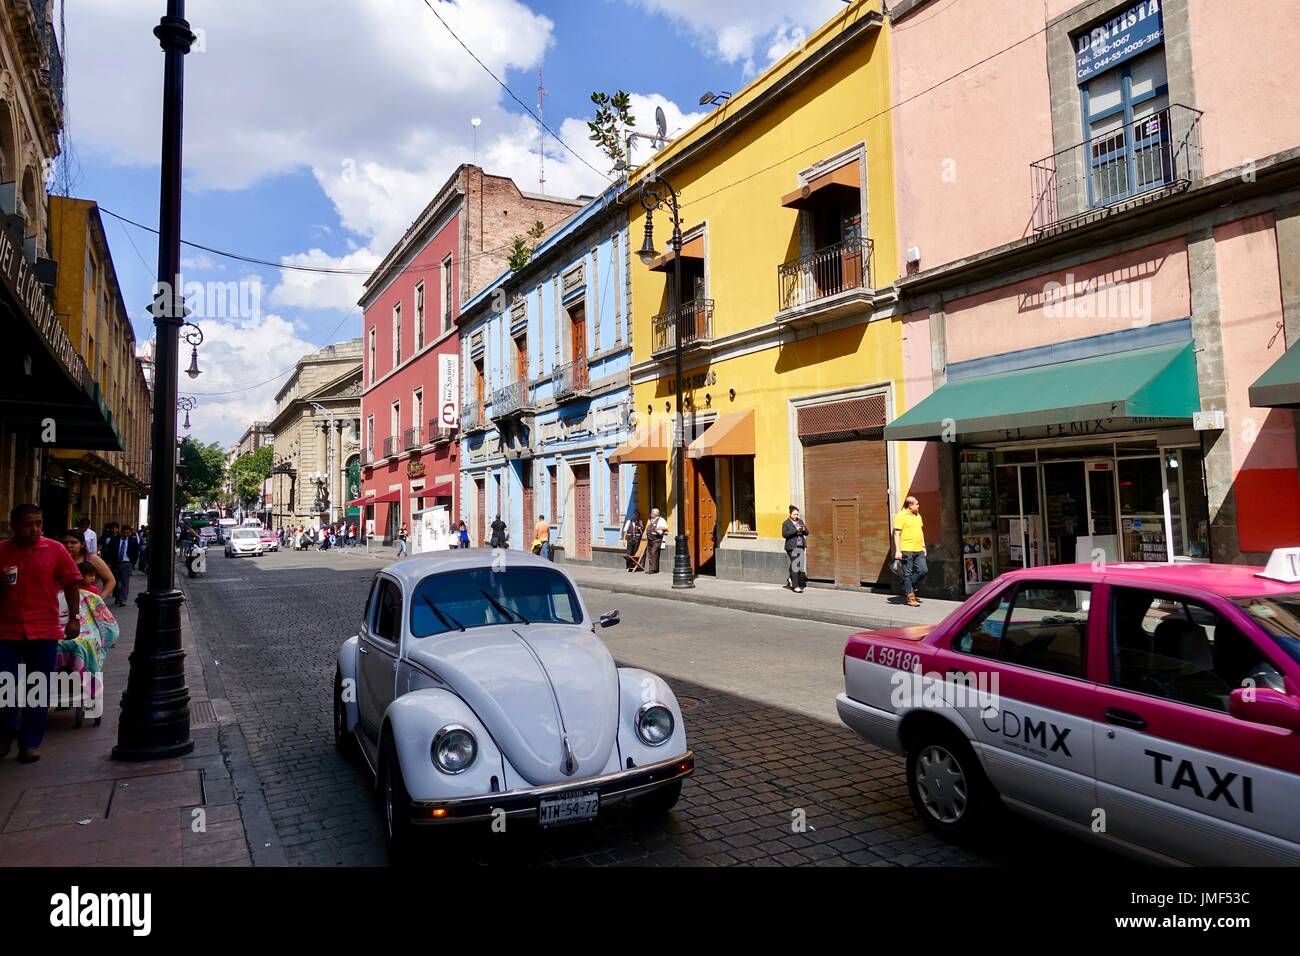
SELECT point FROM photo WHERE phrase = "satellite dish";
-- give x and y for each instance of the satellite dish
(661, 122)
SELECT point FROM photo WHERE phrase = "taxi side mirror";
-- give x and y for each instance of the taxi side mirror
(610, 619)
(1263, 705)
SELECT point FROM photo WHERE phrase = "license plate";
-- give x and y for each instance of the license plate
(572, 807)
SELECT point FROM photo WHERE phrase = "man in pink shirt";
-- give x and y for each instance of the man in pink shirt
(33, 570)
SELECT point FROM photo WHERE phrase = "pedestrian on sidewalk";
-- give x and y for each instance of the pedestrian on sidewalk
(34, 570)
(122, 552)
(401, 542)
(74, 540)
(500, 537)
(462, 534)
(542, 538)
(795, 533)
(92, 539)
(909, 549)
(655, 530)
(352, 535)
(633, 529)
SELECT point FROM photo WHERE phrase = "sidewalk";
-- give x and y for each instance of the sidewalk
(851, 608)
(78, 807)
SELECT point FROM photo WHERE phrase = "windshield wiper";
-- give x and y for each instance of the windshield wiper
(447, 620)
(502, 609)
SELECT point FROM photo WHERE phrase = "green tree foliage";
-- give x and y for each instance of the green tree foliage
(202, 474)
(248, 472)
(610, 127)
(522, 250)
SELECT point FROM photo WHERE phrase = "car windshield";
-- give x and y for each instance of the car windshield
(247, 533)
(481, 596)
(1279, 616)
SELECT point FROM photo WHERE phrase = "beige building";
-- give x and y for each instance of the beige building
(315, 463)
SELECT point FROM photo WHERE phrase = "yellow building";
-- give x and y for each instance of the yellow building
(792, 345)
(101, 485)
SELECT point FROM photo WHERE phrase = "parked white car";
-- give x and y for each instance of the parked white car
(244, 541)
(473, 692)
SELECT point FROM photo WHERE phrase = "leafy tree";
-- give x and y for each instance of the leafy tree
(203, 472)
(610, 127)
(522, 250)
(248, 472)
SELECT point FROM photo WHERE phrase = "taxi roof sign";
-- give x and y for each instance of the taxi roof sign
(1283, 565)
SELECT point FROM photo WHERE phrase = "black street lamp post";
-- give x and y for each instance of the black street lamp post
(657, 193)
(155, 719)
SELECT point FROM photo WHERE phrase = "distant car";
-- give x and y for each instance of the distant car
(1154, 708)
(244, 541)
(475, 693)
(270, 540)
(208, 534)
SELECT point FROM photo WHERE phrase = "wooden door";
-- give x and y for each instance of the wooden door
(530, 507)
(843, 469)
(582, 512)
(479, 517)
(553, 519)
(578, 327)
(846, 546)
(706, 516)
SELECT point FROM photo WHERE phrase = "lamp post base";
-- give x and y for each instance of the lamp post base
(155, 718)
(682, 577)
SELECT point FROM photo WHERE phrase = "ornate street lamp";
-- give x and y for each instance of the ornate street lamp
(194, 338)
(187, 404)
(657, 193)
(155, 719)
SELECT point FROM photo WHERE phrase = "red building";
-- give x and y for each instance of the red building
(410, 374)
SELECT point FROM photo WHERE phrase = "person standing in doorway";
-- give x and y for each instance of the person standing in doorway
(542, 536)
(633, 529)
(909, 548)
(795, 533)
(499, 536)
(655, 530)
(33, 572)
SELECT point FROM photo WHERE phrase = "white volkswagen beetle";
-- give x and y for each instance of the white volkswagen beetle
(477, 690)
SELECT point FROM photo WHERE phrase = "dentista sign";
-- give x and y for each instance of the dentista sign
(1131, 32)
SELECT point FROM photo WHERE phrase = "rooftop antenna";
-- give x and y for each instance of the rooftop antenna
(541, 133)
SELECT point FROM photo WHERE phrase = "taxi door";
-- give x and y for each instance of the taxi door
(1176, 773)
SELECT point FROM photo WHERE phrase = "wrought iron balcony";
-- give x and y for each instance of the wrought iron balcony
(515, 399)
(390, 446)
(571, 380)
(827, 272)
(411, 438)
(1144, 159)
(694, 319)
(473, 417)
(439, 433)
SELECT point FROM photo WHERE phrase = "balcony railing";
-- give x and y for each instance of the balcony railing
(367, 457)
(571, 380)
(473, 417)
(694, 318)
(438, 432)
(390, 446)
(826, 272)
(411, 438)
(511, 400)
(1157, 152)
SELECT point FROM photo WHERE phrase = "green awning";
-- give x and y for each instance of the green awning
(1279, 387)
(1142, 388)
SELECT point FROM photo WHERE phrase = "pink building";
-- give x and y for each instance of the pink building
(1099, 208)
(411, 371)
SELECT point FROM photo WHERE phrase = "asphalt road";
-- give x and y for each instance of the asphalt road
(758, 700)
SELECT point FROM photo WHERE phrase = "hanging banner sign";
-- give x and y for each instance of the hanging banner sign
(449, 390)
(1132, 32)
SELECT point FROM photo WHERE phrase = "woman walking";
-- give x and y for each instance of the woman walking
(401, 542)
(75, 541)
(795, 533)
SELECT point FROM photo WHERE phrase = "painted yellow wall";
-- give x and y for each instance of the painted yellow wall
(735, 187)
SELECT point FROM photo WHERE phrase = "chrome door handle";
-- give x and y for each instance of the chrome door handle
(363, 649)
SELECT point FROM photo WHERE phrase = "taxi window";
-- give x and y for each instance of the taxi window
(1168, 646)
(1039, 625)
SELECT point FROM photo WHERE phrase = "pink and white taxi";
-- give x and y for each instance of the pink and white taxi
(1154, 708)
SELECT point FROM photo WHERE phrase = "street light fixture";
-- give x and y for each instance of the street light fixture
(187, 404)
(657, 193)
(155, 720)
(194, 338)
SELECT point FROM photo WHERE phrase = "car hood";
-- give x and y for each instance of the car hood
(533, 686)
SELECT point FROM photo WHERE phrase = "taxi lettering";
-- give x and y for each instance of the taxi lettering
(1015, 727)
(1186, 778)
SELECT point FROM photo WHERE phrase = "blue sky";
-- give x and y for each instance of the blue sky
(317, 129)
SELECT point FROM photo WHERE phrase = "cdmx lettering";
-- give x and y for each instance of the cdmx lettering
(1033, 733)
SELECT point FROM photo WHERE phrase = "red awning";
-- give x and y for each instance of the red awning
(389, 498)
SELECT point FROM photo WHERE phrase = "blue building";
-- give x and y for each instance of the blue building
(547, 395)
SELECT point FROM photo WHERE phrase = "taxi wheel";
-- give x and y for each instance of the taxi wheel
(948, 786)
(399, 831)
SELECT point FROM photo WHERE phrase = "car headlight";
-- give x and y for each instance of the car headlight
(654, 724)
(454, 749)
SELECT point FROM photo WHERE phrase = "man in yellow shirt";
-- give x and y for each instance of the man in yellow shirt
(909, 548)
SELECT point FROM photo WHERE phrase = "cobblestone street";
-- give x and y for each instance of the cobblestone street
(273, 625)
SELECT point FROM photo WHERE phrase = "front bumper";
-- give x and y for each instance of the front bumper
(613, 788)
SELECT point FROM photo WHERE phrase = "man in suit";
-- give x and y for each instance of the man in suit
(121, 552)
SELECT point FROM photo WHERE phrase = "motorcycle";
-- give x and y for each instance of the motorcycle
(195, 558)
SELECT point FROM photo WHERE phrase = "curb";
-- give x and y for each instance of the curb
(817, 615)
(259, 831)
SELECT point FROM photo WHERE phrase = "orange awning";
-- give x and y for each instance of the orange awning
(691, 249)
(846, 177)
(731, 434)
(642, 449)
